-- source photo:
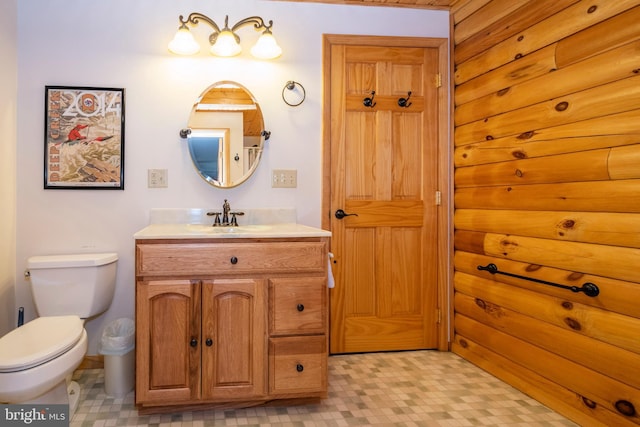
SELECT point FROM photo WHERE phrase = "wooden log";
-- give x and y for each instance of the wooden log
(600, 69)
(595, 196)
(518, 20)
(615, 295)
(520, 70)
(592, 322)
(609, 34)
(608, 261)
(505, 149)
(614, 163)
(583, 411)
(491, 12)
(604, 228)
(469, 241)
(614, 124)
(596, 387)
(624, 161)
(617, 97)
(462, 9)
(542, 34)
(595, 354)
(551, 169)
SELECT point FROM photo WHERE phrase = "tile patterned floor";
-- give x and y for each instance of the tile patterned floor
(422, 388)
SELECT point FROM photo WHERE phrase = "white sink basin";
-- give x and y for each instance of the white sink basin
(240, 229)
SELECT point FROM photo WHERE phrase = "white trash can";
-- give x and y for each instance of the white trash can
(116, 345)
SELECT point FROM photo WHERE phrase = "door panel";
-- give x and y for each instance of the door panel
(233, 331)
(384, 169)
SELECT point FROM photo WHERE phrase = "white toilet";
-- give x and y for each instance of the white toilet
(38, 358)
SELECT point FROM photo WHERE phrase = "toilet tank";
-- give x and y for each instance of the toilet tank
(80, 284)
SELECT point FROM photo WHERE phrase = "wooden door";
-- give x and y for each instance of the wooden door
(384, 118)
(234, 341)
(167, 341)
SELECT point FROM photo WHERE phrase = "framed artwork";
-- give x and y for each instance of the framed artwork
(84, 138)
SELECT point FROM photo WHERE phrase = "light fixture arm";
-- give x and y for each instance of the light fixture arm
(195, 17)
(258, 24)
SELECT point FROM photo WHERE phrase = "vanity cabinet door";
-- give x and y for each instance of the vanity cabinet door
(234, 340)
(167, 341)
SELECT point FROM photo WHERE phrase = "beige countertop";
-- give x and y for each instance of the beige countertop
(205, 231)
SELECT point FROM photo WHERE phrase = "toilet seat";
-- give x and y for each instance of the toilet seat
(39, 341)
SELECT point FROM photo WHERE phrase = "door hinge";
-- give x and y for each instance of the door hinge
(438, 316)
(438, 198)
(438, 80)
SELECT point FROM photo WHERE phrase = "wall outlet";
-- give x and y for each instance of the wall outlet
(284, 178)
(158, 178)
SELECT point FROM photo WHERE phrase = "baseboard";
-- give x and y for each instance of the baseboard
(92, 362)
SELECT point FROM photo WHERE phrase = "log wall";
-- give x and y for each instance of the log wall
(547, 185)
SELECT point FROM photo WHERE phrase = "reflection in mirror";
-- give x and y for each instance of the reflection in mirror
(226, 135)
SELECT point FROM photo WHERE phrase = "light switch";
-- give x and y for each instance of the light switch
(158, 178)
(284, 178)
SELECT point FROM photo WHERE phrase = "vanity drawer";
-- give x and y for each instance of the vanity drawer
(298, 364)
(219, 258)
(298, 305)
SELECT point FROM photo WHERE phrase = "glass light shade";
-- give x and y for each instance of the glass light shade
(266, 47)
(183, 43)
(226, 44)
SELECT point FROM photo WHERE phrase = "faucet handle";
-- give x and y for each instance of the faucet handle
(234, 221)
(216, 221)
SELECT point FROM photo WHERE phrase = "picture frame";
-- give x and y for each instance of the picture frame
(84, 138)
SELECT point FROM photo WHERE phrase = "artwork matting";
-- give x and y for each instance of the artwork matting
(84, 138)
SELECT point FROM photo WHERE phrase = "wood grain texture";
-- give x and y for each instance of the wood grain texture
(547, 149)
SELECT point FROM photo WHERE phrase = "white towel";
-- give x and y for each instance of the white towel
(330, 280)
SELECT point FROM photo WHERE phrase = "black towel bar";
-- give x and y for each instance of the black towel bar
(590, 289)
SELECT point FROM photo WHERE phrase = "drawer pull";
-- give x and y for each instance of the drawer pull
(234, 260)
(300, 307)
(299, 367)
(209, 342)
(193, 342)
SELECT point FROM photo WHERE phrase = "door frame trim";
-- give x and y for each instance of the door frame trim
(445, 156)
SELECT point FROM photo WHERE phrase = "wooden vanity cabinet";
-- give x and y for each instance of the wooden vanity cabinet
(230, 323)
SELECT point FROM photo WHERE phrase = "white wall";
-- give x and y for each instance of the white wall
(122, 43)
(8, 100)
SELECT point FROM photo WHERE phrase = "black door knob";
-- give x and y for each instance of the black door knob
(209, 342)
(299, 367)
(193, 342)
(234, 260)
(300, 307)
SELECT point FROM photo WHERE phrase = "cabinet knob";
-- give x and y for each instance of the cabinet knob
(299, 367)
(209, 342)
(234, 260)
(300, 307)
(193, 342)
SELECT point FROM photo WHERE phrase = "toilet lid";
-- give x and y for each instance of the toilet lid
(38, 341)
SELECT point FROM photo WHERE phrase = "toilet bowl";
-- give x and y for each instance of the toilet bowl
(38, 358)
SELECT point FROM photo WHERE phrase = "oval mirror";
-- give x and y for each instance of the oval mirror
(226, 134)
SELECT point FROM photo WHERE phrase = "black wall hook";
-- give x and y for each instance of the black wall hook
(369, 102)
(404, 102)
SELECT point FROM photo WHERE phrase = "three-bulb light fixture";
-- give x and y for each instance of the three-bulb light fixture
(225, 41)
